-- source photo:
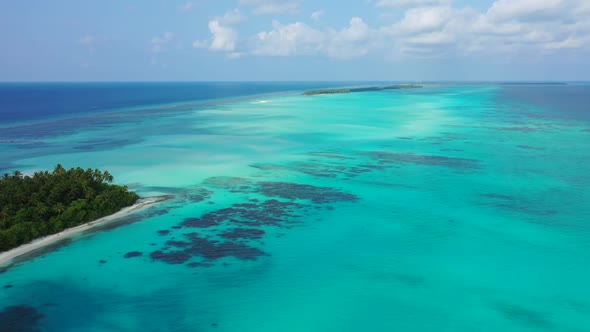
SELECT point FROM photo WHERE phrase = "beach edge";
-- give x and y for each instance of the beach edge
(7, 257)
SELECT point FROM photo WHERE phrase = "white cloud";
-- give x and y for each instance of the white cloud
(201, 44)
(300, 39)
(159, 43)
(350, 42)
(525, 9)
(411, 3)
(272, 7)
(317, 15)
(507, 28)
(186, 7)
(93, 42)
(357, 31)
(288, 39)
(426, 29)
(231, 17)
(224, 38)
(422, 19)
(235, 55)
(568, 43)
(432, 38)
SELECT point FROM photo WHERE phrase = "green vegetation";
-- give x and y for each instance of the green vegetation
(402, 86)
(349, 90)
(49, 202)
(325, 91)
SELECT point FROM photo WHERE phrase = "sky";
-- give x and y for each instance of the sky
(294, 40)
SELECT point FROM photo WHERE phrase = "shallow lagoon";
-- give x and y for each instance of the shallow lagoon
(446, 208)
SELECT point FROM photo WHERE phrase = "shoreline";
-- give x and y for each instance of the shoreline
(7, 257)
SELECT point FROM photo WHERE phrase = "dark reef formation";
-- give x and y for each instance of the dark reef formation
(132, 254)
(20, 318)
(426, 160)
(236, 231)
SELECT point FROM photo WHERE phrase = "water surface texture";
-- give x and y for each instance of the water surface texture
(447, 208)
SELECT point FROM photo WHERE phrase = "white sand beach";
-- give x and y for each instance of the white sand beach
(8, 256)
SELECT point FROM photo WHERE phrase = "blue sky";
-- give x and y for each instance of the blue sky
(196, 40)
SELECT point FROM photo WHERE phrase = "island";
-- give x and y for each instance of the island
(365, 89)
(47, 203)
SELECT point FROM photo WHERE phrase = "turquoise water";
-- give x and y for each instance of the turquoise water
(449, 208)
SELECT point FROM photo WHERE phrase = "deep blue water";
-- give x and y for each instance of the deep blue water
(569, 101)
(36, 101)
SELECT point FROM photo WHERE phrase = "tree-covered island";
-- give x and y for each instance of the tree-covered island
(49, 202)
(365, 89)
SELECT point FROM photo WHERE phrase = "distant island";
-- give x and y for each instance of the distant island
(49, 202)
(350, 90)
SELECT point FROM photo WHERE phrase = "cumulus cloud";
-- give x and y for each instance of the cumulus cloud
(516, 27)
(425, 28)
(224, 38)
(301, 39)
(289, 39)
(422, 19)
(272, 7)
(525, 9)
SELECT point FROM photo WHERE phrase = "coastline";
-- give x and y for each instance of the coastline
(7, 257)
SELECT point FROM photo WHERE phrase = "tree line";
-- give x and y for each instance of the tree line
(49, 202)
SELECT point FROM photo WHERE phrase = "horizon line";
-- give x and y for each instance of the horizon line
(300, 81)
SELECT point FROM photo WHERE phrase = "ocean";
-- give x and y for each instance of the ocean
(454, 207)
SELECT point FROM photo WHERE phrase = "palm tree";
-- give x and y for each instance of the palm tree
(59, 169)
(59, 208)
(98, 175)
(17, 174)
(107, 176)
(88, 192)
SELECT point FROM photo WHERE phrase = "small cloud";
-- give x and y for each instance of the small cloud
(158, 43)
(231, 17)
(568, 43)
(87, 40)
(272, 7)
(411, 3)
(200, 44)
(235, 55)
(186, 7)
(316, 15)
(91, 43)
